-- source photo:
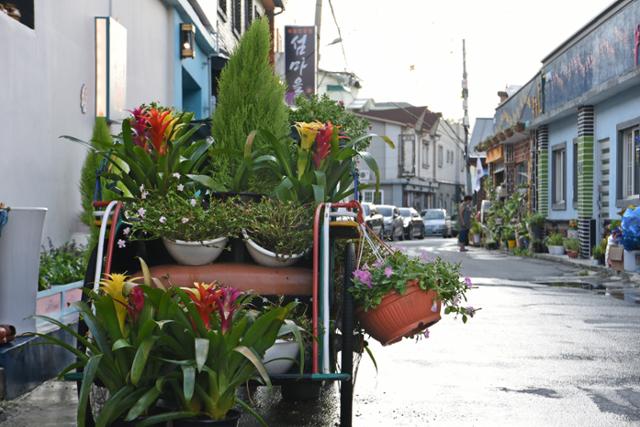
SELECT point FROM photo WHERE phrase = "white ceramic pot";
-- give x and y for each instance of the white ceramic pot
(476, 239)
(280, 357)
(556, 250)
(19, 262)
(630, 260)
(195, 253)
(267, 258)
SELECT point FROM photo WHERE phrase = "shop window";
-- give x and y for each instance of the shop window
(425, 154)
(630, 172)
(369, 196)
(20, 10)
(559, 177)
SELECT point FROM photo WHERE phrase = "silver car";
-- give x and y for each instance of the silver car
(436, 223)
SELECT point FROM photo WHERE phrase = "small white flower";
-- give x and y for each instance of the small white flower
(162, 220)
(126, 231)
(144, 195)
(142, 188)
(141, 212)
(184, 220)
(121, 243)
(192, 202)
(176, 175)
(180, 187)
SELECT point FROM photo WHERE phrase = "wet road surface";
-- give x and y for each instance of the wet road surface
(534, 355)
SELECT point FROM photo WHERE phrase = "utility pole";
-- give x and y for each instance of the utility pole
(465, 120)
(318, 24)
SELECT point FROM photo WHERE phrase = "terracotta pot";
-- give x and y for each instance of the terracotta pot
(400, 316)
(572, 254)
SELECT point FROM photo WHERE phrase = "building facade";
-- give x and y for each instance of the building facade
(426, 169)
(58, 70)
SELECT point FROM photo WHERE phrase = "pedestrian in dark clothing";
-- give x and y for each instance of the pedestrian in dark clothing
(464, 218)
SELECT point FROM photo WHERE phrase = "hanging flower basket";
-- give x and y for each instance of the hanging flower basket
(400, 316)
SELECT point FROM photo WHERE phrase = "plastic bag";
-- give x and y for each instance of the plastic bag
(631, 229)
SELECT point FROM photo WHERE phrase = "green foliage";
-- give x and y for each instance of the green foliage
(524, 252)
(554, 239)
(60, 266)
(572, 244)
(508, 233)
(600, 249)
(179, 215)
(536, 220)
(324, 109)
(476, 227)
(250, 97)
(304, 175)
(283, 227)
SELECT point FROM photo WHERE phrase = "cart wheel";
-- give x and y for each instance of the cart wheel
(346, 387)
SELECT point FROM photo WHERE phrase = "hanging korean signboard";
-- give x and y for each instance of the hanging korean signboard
(300, 61)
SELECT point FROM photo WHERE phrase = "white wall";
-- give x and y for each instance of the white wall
(41, 73)
(450, 137)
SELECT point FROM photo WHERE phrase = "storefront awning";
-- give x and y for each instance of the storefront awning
(495, 154)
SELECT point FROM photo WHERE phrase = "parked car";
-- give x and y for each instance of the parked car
(412, 224)
(453, 225)
(436, 223)
(373, 218)
(393, 225)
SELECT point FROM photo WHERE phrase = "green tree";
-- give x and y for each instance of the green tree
(101, 138)
(250, 97)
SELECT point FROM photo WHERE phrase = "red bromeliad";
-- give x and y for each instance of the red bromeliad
(136, 302)
(322, 147)
(139, 125)
(206, 298)
(160, 125)
(227, 306)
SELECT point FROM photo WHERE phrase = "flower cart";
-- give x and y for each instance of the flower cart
(312, 284)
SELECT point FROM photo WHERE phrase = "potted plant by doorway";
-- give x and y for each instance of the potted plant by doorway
(277, 233)
(572, 247)
(402, 295)
(194, 231)
(554, 243)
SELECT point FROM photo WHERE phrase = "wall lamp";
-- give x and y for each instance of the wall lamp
(187, 41)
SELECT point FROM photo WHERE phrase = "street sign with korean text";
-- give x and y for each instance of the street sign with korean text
(300, 61)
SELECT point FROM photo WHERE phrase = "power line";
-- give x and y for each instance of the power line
(344, 54)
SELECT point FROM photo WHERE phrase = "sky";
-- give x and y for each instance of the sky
(411, 50)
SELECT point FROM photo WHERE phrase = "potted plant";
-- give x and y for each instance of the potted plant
(125, 333)
(218, 343)
(277, 233)
(290, 346)
(61, 279)
(401, 295)
(599, 251)
(572, 247)
(476, 233)
(572, 231)
(554, 243)
(535, 223)
(194, 231)
(509, 236)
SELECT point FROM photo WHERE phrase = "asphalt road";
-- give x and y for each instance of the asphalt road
(534, 355)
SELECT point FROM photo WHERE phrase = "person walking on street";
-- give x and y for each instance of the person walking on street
(464, 216)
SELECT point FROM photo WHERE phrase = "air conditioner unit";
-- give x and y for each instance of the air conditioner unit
(364, 176)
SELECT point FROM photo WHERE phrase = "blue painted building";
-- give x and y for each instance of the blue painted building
(582, 113)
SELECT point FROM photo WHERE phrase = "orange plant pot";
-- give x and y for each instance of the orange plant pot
(400, 316)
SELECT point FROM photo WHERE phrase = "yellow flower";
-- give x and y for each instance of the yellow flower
(114, 286)
(308, 132)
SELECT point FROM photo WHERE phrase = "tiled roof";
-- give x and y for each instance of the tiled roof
(408, 116)
(482, 129)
